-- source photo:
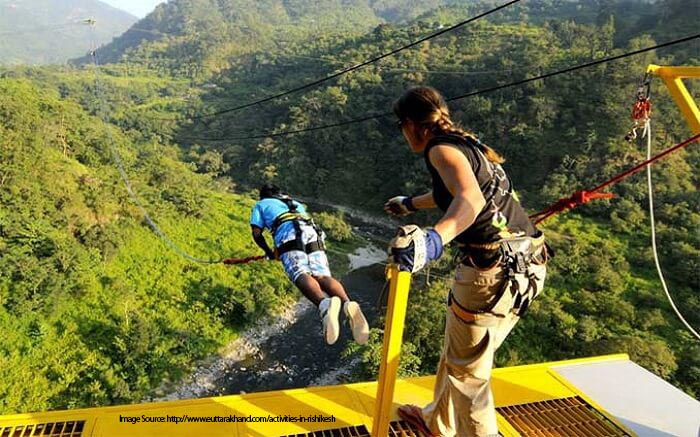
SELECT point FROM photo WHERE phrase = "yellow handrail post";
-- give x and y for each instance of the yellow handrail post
(400, 283)
(673, 78)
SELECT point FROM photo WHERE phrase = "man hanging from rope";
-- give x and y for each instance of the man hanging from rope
(299, 245)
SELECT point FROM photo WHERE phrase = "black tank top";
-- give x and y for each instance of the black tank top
(502, 217)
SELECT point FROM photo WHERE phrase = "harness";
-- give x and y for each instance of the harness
(297, 218)
(516, 256)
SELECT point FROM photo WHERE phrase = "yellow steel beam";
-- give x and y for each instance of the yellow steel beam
(673, 78)
(391, 348)
(682, 72)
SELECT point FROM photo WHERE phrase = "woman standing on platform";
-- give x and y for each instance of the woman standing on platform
(501, 268)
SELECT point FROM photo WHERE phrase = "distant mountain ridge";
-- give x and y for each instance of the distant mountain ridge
(50, 31)
(203, 34)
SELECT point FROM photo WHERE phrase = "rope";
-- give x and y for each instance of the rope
(358, 66)
(116, 157)
(647, 132)
(452, 99)
(582, 197)
(236, 261)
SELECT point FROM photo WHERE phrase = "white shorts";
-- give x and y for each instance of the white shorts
(297, 262)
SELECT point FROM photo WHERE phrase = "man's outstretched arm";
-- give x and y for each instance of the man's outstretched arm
(259, 239)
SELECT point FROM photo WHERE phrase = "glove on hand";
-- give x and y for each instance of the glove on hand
(413, 248)
(400, 206)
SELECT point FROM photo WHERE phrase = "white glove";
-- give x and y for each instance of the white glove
(412, 247)
(399, 206)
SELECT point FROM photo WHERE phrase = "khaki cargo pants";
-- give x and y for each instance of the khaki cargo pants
(463, 403)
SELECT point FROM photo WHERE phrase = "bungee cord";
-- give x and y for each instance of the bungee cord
(652, 223)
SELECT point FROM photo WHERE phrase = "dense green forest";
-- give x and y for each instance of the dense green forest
(95, 309)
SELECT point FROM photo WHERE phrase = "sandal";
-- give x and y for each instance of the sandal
(413, 416)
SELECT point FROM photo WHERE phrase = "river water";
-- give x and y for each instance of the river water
(298, 356)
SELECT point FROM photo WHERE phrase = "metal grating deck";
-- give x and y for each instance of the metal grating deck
(350, 431)
(402, 429)
(54, 429)
(567, 417)
(396, 429)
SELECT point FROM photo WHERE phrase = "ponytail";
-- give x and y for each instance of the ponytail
(445, 125)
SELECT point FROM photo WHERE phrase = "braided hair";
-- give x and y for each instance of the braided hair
(426, 107)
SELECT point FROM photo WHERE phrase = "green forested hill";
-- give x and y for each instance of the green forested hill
(196, 37)
(94, 308)
(51, 32)
(564, 113)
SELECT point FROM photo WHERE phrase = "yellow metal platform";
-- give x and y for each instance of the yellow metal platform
(536, 394)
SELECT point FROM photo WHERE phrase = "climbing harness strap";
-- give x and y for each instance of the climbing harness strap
(314, 246)
(516, 256)
(288, 217)
(296, 218)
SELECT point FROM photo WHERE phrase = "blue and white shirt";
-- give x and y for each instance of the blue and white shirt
(267, 210)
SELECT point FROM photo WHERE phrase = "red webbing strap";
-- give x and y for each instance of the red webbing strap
(236, 261)
(584, 196)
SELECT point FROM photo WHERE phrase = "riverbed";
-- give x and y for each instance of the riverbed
(288, 351)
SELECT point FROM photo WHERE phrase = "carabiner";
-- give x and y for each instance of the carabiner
(644, 88)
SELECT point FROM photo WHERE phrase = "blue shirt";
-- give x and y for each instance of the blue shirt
(267, 210)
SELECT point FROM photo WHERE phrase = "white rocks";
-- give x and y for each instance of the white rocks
(202, 381)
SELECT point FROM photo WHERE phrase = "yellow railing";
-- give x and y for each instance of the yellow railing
(400, 283)
(673, 78)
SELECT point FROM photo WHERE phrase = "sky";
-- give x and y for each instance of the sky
(140, 8)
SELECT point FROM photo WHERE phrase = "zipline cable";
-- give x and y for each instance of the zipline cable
(451, 99)
(243, 131)
(647, 132)
(357, 66)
